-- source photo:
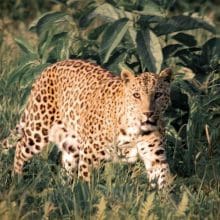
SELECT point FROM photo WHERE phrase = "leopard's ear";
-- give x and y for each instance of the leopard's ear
(166, 74)
(127, 75)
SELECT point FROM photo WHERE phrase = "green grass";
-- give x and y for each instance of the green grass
(117, 191)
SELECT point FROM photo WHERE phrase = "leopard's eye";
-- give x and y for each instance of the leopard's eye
(137, 95)
(158, 95)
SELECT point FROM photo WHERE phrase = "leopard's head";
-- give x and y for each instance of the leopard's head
(146, 97)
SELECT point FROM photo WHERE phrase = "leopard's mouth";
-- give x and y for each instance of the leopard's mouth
(151, 122)
(149, 125)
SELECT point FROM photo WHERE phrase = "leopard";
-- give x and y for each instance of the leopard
(94, 115)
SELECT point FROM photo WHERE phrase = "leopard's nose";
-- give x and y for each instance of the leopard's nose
(151, 118)
(148, 114)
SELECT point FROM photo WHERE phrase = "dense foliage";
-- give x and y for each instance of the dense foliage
(145, 36)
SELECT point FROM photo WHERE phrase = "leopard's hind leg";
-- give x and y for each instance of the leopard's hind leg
(34, 128)
(64, 137)
(34, 136)
(41, 111)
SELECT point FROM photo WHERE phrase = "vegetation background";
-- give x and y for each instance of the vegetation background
(145, 35)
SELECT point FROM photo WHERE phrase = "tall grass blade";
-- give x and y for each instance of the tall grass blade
(183, 205)
(100, 215)
(144, 211)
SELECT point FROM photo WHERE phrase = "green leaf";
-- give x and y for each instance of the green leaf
(59, 37)
(149, 51)
(25, 95)
(181, 23)
(186, 39)
(95, 33)
(45, 46)
(44, 22)
(133, 34)
(116, 60)
(171, 49)
(151, 8)
(179, 100)
(59, 43)
(25, 47)
(109, 13)
(112, 37)
(211, 51)
(146, 20)
(106, 11)
(43, 42)
(29, 76)
(17, 74)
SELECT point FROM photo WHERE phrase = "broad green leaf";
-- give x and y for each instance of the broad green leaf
(60, 36)
(29, 76)
(96, 33)
(112, 37)
(187, 51)
(84, 20)
(17, 73)
(133, 34)
(43, 42)
(106, 11)
(44, 22)
(110, 13)
(25, 47)
(178, 98)
(151, 8)
(25, 94)
(146, 20)
(25, 75)
(181, 23)
(114, 64)
(186, 39)
(189, 57)
(149, 51)
(211, 51)
(60, 49)
(170, 49)
(45, 46)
